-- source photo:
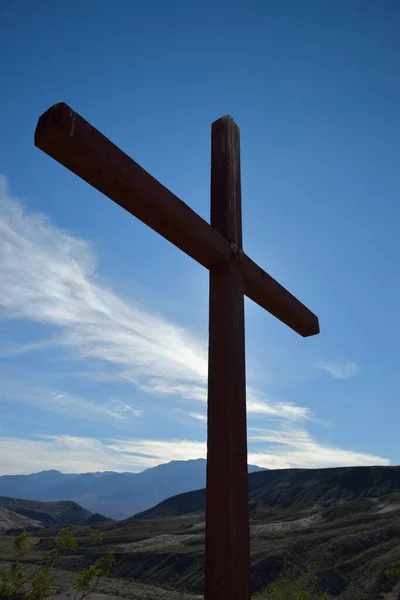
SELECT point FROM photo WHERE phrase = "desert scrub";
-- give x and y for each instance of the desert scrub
(17, 585)
(289, 586)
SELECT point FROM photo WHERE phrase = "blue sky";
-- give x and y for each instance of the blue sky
(103, 324)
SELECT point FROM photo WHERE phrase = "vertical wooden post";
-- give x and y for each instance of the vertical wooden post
(227, 559)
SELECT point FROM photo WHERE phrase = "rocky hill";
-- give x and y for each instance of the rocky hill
(17, 514)
(294, 490)
(12, 521)
(346, 521)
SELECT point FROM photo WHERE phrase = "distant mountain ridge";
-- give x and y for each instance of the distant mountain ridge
(16, 513)
(116, 495)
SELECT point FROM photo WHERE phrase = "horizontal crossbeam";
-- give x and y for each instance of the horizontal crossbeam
(73, 142)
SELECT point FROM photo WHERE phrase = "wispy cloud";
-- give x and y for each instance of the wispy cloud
(72, 454)
(162, 387)
(344, 370)
(62, 402)
(259, 404)
(10, 349)
(49, 276)
(290, 447)
(198, 417)
(125, 408)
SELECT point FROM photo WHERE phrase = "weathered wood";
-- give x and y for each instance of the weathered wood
(68, 138)
(227, 560)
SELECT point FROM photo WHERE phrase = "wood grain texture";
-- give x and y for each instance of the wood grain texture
(227, 549)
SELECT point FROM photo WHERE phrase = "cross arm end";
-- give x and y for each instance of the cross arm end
(265, 291)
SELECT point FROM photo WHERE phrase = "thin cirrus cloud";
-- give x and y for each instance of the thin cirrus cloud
(49, 277)
(286, 448)
(25, 391)
(290, 447)
(73, 454)
(197, 416)
(344, 370)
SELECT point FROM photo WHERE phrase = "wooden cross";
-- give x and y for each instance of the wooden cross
(73, 142)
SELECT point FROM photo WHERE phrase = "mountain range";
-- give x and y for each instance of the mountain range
(115, 495)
